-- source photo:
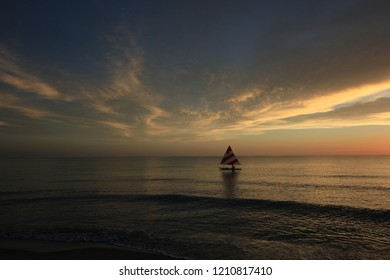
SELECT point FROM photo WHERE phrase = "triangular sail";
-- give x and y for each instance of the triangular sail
(230, 158)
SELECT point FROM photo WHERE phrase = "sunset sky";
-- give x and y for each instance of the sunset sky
(134, 78)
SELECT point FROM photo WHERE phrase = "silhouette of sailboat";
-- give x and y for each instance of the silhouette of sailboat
(229, 159)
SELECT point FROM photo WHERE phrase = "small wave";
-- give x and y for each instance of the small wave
(290, 206)
(312, 185)
(215, 202)
(130, 239)
(137, 240)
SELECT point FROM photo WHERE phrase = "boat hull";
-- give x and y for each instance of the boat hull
(229, 168)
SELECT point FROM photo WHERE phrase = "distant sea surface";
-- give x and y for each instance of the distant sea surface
(274, 208)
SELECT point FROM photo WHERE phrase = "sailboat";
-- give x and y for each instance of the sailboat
(229, 159)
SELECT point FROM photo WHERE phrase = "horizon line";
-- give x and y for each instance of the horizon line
(177, 156)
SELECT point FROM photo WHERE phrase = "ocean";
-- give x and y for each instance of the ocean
(314, 207)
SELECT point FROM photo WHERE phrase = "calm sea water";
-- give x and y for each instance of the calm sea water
(274, 208)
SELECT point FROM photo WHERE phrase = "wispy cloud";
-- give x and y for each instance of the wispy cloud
(29, 83)
(339, 109)
(16, 105)
(13, 103)
(136, 105)
(153, 121)
(124, 129)
(3, 123)
(11, 73)
(100, 106)
(245, 96)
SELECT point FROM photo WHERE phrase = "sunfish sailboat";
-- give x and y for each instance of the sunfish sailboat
(229, 159)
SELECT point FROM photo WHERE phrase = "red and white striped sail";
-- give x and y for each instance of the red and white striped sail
(230, 158)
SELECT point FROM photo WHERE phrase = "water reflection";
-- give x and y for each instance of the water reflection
(229, 179)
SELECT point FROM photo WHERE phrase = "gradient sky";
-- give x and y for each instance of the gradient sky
(129, 78)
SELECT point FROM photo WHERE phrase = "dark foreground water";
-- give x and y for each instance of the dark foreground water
(274, 208)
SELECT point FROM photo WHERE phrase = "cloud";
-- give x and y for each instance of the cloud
(200, 118)
(124, 63)
(304, 67)
(245, 96)
(101, 107)
(154, 123)
(313, 67)
(3, 123)
(12, 74)
(326, 47)
(338, 109)
(12, 103)
(28, 83)
(248, 113)
(135, 104)
(122, 128)
(364, 113)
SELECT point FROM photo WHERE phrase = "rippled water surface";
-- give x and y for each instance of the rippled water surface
(274, 208)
